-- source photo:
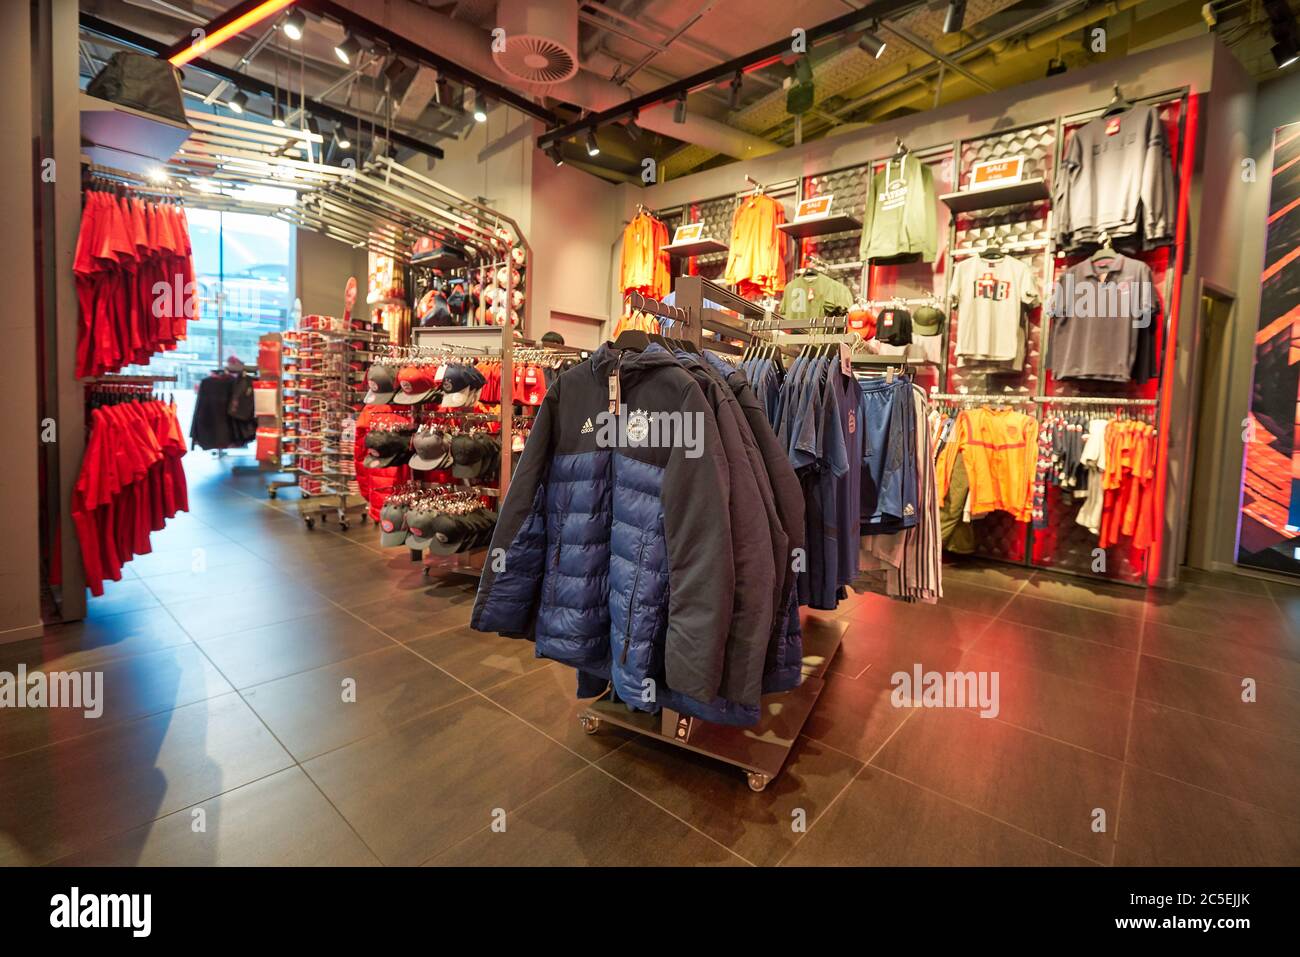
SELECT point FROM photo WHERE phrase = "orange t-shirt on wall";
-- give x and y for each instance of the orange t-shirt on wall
(645, 267)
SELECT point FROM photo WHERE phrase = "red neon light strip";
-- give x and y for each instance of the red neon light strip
(1281, 143)
(236, 26)
(1286, 165)
(1268, 273)
(1284, 210)
(1167, 375)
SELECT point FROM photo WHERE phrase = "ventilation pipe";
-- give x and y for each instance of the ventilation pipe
(471, 48)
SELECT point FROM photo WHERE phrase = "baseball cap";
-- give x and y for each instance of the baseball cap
(927, 321)
(392, 524)
(467, 455)
(862, 322)
(383, 384)
(386, 448)
(451, 534)
(415, 384)
(894, 326)
(431, 451)
(419, 523)
(457, 384)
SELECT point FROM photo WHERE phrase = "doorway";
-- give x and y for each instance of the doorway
(1212, 428)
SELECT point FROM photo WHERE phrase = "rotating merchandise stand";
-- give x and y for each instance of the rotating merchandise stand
(760, 751)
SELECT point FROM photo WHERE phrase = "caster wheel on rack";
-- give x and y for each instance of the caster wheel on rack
(757, 781)
(362, 520)
(343, 526)
(270, 493)
(590, 723)
(310, 523)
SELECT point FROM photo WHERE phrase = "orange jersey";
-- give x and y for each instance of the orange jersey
(756, 259)
(1000, 451)
(645, 267)
(1129, 483)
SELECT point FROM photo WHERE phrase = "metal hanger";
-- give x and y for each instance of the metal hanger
(1117, 104)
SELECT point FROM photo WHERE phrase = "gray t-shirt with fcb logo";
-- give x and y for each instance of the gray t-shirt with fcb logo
(989, 294)
(1098, 310)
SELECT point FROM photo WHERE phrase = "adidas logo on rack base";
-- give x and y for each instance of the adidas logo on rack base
(587, 427)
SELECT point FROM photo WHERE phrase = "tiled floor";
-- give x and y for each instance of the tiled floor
(282, 696)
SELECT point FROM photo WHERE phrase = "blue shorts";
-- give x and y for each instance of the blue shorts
(889, 486)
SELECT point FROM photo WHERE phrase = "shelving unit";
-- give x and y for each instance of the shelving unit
(810, 228)
(127, 138)
(1026, 191)
(696, 247)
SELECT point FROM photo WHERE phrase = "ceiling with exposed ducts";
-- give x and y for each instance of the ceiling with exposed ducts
(422, 72)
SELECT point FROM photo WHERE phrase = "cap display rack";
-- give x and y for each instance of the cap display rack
(324, 368)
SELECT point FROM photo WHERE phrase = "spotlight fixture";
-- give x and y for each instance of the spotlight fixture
(480, 107)
(679, 111)
(294, 22)
(1282, 27)
(157, 175)
(736, 80)
(956, 14)
(348, 49)
(238, 102)
(553, 151)
(277, 115)
(1055, 66)
(1285, 53)
(871, 43)
(341, 137)
(593, 148)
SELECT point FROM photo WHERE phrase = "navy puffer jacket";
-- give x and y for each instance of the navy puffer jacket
(618, 560)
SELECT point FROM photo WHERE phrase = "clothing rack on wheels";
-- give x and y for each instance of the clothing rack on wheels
(760, 751)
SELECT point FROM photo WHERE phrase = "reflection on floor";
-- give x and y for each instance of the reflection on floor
(230, 654)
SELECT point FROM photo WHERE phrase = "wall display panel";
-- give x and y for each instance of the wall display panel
(848, 189)
(1058, 540)
(716, 216)
(1268, 527)
(993, 194)
(910, 280)
(1025, 230)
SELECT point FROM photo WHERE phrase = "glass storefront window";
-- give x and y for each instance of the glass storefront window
(243, 266)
